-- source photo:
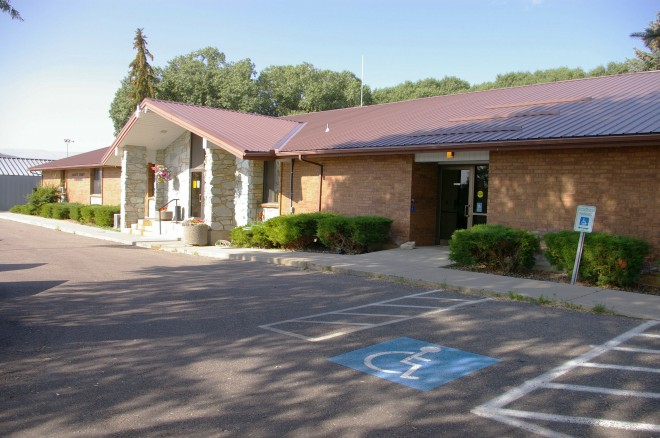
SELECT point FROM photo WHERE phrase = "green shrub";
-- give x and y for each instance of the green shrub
(104, 215)
(87, 214)
(251, 235)
(42, 195)
(22, 209)
(371, 230)
(60, 211)
(494, 247)
(74, 210)
(46, 210)
(336, 233)
(607, 259)
(16, 209)
(353, 235)
(296, 231)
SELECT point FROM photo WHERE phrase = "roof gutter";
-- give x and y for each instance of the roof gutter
(560, 143)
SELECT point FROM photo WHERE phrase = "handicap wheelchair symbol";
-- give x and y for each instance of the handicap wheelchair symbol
(368, 361)
(413, 363)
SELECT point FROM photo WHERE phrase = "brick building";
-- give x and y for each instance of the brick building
(524, 157)
(83, 178)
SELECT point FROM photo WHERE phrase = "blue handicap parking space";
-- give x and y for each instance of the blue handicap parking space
(417, 364)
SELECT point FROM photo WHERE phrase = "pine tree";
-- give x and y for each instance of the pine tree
(5, 6)
(142, 76)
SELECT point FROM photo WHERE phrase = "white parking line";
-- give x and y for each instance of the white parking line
(364, 311)
(495, 410)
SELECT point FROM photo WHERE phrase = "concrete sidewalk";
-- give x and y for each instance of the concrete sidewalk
(424, 266)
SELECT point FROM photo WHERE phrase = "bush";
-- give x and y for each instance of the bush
(104, 215)
(296, 231)
(46, 210)
(60, 211)
(371, 230)
(607, 259)
(87, 214)
(336, 233)
(42, 195)
(22, 209)
(251, 235)
(74, 211)
(353, 235)
(494, 247)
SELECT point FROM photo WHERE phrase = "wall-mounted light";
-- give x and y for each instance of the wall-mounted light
(450, 155)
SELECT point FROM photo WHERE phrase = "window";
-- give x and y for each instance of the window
(97, 181)
(270, 191)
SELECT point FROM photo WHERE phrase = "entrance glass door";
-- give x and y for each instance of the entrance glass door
(463, 200)
(196, 194)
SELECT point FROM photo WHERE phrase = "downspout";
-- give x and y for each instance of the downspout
(291, 187)
(320, 177)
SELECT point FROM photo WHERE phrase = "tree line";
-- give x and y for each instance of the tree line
(205, 77)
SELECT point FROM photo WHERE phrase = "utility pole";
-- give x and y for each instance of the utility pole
(67, 141)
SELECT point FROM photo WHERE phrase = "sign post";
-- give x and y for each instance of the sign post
(584, 223)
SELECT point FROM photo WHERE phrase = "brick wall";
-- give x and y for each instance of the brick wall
(354, 186)
(50, 178)
(540, 190)
(111, 185)
(78, 185)
(425, 193)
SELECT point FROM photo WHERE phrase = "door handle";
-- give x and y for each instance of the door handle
(200, 197)
(466, 210)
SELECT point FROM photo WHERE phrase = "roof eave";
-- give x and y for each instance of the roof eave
(536, 144)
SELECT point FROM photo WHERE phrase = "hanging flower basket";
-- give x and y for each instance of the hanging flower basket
(162, 173)
(195, 232)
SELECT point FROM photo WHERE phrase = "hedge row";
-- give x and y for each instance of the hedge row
(607, 259)
(101, 215)
(494, 247)
(352, 235)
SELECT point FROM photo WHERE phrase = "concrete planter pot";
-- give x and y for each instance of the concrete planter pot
(166, 215)
(195, 234)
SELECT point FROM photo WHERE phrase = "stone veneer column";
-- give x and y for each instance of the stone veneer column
(133, 184)
(219, 183)
(249, 190)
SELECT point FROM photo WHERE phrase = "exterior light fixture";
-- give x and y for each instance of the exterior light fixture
(450, 155)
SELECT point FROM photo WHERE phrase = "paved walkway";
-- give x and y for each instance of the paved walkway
(423, 266)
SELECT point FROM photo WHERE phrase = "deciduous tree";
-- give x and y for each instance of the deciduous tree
(428, 87)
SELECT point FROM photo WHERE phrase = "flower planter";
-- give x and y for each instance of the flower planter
(196, 235)
(166, 215)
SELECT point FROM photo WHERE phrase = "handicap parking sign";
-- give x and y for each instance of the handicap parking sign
(417, 364)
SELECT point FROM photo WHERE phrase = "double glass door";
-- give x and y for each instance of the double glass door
(463, 200)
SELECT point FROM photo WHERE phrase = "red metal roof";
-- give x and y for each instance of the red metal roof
(246, 132)
(622, 105)
(87, 159)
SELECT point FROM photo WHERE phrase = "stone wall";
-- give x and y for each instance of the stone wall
(249, 190)
(133, 184)
(219, 186)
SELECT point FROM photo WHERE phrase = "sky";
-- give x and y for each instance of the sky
(61, 66)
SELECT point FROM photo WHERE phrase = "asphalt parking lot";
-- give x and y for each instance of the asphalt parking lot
(99, 339)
